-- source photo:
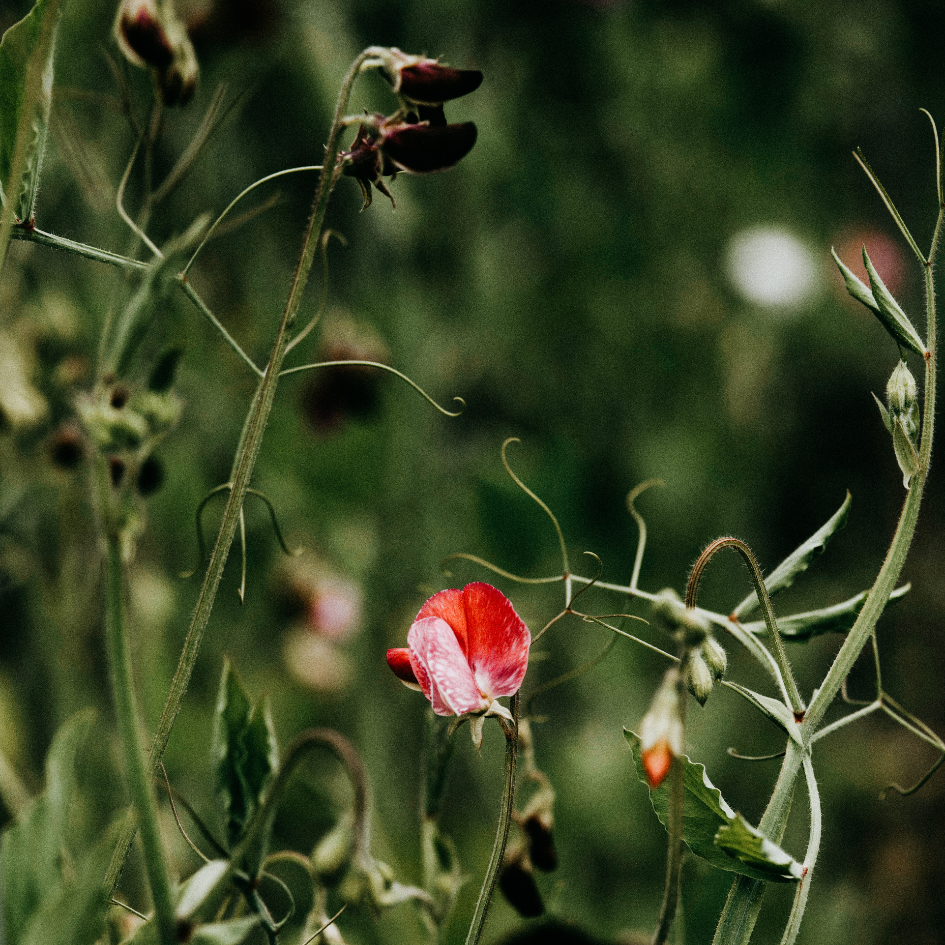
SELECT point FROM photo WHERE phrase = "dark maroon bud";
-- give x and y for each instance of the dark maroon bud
(178, 81)
(427, 82)
(116, 470)
(348, 391)
(541, 844)
(518, 885)
(150, 476)
(141, 35)
(422, 149)
(119, 396)
(67, 447)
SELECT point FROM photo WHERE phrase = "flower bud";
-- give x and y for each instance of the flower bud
(141, 35)
(699, 678)
(901, 390)
(661, 731)
(683, 623)
(178, 81)
(423, 149)
(715, 657)
(541, 843)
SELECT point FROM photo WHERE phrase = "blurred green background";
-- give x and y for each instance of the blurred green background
(630, 272)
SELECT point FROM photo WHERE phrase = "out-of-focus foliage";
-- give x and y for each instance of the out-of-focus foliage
(582, 280)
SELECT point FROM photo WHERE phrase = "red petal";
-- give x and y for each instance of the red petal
(448, 606)
(429, 82)
(441, 668)
(657, 762)
(398, 659)
(497, 640)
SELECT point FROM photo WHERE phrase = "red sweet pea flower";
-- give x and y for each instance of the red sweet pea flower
(465, 650)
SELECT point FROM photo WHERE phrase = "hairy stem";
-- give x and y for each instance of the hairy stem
(245, 461)
(502, 831)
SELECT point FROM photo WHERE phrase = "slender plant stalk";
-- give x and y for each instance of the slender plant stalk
(744, 901)
(502, 831)
(245, 461)
(674, 825)
(129, 726)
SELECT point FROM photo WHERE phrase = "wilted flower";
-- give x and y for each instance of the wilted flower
(466, 649)
(425, 81)
(384, 147)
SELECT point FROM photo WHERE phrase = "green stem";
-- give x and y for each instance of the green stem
(744, 901)
(502, 830)
(246, 458)
(126, 710)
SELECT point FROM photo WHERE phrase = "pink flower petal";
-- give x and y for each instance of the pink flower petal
(497, 641)
(441, 668)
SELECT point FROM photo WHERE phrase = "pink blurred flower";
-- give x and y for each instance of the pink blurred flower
(466, 649)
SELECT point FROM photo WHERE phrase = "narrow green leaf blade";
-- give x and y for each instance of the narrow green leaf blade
(838, 618)
(859, 290)
(705, 813)
(798, 560)
(26, 99)
(894, 319)
(777, 711)
(31, 875)
(244, 755)
(748, 845)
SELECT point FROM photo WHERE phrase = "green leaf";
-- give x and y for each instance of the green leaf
(798, 561)
(32, 882)
(777, 711)
(244, 755)
(894, 319)
(225, 933)
(705, 813)
(748, 845)
(26, 99)
(855, 287)
(839, 618)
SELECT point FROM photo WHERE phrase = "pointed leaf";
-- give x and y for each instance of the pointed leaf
(750, 846)
(777, 711)
(797, 561)
(894, 319)
(839, 618)
(856, 288)
(26, 99)
(704, 815)
(31, 875)
(244, 755)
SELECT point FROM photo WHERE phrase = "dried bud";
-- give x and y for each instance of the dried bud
(541, 843)
(661, 731)
(517, 882)
(699, 678)
(425, 81)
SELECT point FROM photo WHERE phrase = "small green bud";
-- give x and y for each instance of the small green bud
(715, 657)
(699, 678)
(683, 623)
(332, 857)
(901, 390)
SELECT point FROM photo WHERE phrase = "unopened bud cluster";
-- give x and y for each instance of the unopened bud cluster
(416, 138)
